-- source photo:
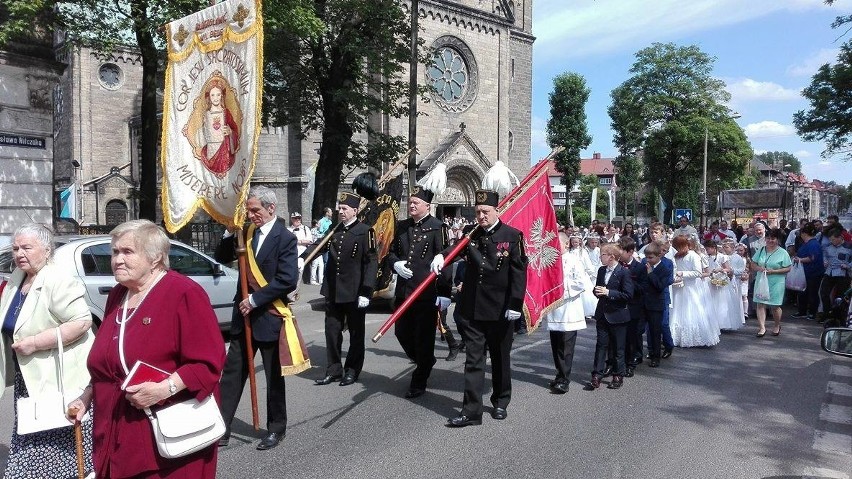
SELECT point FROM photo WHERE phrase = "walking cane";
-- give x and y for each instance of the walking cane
(78, 442)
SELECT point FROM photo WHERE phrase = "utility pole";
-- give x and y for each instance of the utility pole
(412, 96)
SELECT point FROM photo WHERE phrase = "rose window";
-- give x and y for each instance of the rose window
(448, 75)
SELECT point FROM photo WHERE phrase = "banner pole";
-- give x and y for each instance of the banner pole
(243, 265)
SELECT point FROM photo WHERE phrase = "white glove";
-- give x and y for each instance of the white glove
(437, 263)
(301, 263)
(363, 302)
(402, 270)
(512, 315)
(442, 302)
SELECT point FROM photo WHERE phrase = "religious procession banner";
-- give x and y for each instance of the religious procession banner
(211, 112)
(381, 215)
(531, 211)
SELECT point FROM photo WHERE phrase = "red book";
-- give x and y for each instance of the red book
(143, 372)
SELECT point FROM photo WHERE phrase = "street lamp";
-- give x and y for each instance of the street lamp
(784, 201)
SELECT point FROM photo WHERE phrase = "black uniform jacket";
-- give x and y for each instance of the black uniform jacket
(352, 266)
(613, 306)
(495, 274)
(639, 274)
(417, 243)
(278, 264)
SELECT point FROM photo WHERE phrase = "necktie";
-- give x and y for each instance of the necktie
(255, 240)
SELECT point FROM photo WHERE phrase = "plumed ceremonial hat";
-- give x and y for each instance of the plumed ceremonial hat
(423, 194)
(486, 197)
(349, 199)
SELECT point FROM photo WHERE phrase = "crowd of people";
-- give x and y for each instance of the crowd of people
(648, 290)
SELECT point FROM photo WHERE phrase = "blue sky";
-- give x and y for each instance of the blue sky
(766, 52)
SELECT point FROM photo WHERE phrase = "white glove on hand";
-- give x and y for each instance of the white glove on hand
(363, 302)
(301, 264)
(437, 263)
(442, 302)
(512, 315)
(401, 270)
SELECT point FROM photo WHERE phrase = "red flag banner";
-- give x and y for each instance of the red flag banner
(531, 211)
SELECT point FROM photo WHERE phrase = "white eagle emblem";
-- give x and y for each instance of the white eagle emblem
(540, 254)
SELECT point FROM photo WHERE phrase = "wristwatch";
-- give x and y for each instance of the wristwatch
(172, 387)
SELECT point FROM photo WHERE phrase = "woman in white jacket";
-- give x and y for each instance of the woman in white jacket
(564, 322)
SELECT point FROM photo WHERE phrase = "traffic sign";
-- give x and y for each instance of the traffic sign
(683, 212)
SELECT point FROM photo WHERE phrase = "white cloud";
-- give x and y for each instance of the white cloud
(802, 154)
(768, 129)
(824, 163)
(745, 90)
(586, 27)
(810, 65)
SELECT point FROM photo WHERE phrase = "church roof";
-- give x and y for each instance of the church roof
(448, 145)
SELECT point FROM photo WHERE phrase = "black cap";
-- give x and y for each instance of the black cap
(349, 199)
(486, 197)
(423, 194)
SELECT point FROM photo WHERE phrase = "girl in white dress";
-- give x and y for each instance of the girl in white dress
(576, 249)
(704, 284)
(564, 321)
(724, 298)
(689, 322)
(739, 268)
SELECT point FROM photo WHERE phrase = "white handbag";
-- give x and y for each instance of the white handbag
(184, 427)
(46, 410)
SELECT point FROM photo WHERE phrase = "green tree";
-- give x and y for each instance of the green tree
(780, 158)
(829, 117)
(567, 125)
(628, 170)
(664, 111)
(333, 81)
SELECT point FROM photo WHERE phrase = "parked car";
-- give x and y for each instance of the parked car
(837, 341)
(88, 258)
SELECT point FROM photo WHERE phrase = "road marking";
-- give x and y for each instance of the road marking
(832, 442)
(836, 414)
(840, 370)
(839, 389)
(530, 346)
(823, 473)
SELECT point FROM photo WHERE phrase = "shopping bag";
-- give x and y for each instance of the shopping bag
(761, 287)
(796, 278)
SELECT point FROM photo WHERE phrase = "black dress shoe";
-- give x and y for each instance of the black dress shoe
(629, 373)
(594, 384)
(453, 354)
(499, 413)
(414, 393)
(461, 421)
(560, 387)
(638, 359)
(607, 372)
(327, 380)
(348, 379)
(654, 363)
(667, 353)
(617, 382)
(270, 441)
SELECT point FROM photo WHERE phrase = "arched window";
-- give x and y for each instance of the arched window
(116, 212)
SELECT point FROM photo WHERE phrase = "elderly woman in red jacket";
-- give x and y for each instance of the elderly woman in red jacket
(168, 323)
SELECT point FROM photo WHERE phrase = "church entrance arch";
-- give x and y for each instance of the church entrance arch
(457, 200)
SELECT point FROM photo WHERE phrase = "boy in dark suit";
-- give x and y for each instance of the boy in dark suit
(636, 325)
(660, 275)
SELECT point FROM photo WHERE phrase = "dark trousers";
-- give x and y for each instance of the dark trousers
(829, 283)
(415, 331)
(497, 337)
(655, 332)
(633, 343)
(609, 332)
(808, 300)
(668, 342)
(234, 380)
(337, 317)
(447, 335)
(562, 345)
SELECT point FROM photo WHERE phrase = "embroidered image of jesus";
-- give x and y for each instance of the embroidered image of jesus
(213, 128)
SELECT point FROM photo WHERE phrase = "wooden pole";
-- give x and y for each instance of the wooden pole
(412, 97)
(243, 264)
(78, 443)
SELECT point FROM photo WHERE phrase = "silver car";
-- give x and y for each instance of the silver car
(88, 258)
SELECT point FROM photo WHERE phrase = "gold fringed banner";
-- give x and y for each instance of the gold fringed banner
(211, 112)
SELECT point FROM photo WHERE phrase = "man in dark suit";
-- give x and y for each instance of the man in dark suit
(275, 254)
(348, 283)
(613, 288)
(660, 275)
(636, 325)
(491, 301)
(416, 242)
